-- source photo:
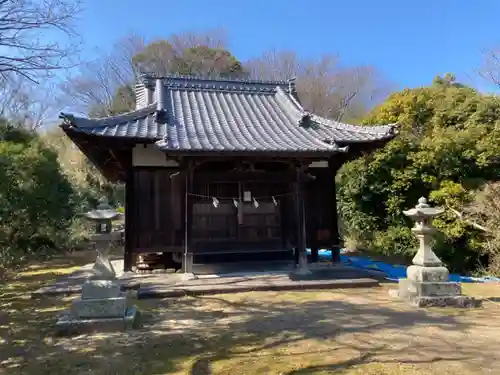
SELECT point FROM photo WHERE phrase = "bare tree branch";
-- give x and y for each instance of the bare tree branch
(96, 82)
(36, 36)
(203, 54)
(490, 69)
(25, 103)
(214, 38)
(472, 223)
(324, 86)
(484, 211)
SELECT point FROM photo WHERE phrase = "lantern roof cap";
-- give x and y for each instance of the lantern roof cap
(423, 210)
(103, 211)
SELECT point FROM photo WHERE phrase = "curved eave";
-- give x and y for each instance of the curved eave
(340, 133)
(119, 126)
(73, 131)
(345, 134)
(328, 149)
(84, 122)
(105, 152)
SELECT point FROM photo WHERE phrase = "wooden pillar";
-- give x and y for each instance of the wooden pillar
(187, 258)
(333, 166)
(312, 194)
(130, 235)
(301, 225)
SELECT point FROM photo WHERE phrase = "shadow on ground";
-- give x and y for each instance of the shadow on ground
(249, 333)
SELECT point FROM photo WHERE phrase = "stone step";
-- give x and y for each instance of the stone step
(99, 307)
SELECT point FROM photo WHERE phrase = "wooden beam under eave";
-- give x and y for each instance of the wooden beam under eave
(358, 149)
(130, 227)
(109, 158)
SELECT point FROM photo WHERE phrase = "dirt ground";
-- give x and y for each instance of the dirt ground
(355, 331)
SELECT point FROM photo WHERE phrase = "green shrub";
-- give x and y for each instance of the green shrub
(448, 145)
(37, 202)
(395, 241)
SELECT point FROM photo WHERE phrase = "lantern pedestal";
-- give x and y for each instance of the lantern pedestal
(427, 283)
(69, 325)
(102, 306)
(429, 286)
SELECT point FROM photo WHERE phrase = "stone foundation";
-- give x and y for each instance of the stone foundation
(99, 307)
(435, 293)
(460, 301)
(93, 289)
(102, 306)
(68, 325)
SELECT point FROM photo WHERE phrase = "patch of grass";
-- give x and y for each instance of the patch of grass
(349, 332)
(482, 290)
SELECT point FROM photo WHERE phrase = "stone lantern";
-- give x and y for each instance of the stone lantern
(103, 216)
(427, 283)
(102, 305)
(423, 215)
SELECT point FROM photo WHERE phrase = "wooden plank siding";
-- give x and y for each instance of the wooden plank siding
(243, 228)
(158, 210)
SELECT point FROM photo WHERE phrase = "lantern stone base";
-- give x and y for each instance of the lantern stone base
(99, 307)
(95, 289)
(429, 287)
(68, 325)
(102, 306)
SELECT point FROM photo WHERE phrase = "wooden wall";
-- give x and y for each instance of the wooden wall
(242, 227)
(157, 210)
(321, 211)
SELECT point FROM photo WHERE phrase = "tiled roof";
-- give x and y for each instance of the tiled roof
(216, 115)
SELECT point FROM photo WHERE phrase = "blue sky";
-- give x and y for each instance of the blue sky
(408, 41)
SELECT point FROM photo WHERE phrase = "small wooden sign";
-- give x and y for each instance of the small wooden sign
(247, 196)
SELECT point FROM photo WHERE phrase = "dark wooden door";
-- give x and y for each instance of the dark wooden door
(260, 218)
(215, 222)
(236, 224)
(157, 209)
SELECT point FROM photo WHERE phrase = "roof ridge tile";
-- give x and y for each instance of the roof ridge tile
(151, 76)
(245, 111)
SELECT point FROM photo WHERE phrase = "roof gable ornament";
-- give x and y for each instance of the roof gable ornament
(305, 121)
(292, 89)
(161, 112)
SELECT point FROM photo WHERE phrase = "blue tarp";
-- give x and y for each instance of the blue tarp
(394, 272)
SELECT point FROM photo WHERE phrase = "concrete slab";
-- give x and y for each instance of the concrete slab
(241, 284)
(336, 272)
(72, 284)
(226, 278)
